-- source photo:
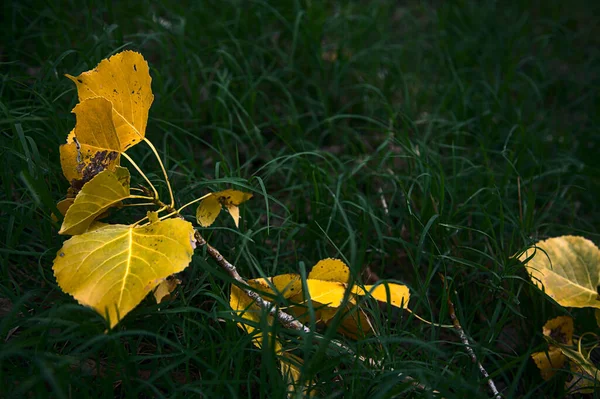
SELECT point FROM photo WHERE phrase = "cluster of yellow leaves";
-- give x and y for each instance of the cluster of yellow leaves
(327, 291)
(567, 268)
(111, 268)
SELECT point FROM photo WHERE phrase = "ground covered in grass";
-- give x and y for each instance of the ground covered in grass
(410, 139)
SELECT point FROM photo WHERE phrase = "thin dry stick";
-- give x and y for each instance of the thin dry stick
(469, 349)
(284, 318)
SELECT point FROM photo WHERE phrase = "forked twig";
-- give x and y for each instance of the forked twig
(284, 318)
(465, 340)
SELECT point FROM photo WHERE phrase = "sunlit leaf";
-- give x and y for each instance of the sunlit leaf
(105, 190)
(329, 293)
(210, 207)
(165, 288)
(568, 269)
(113, 268)
(124, 80)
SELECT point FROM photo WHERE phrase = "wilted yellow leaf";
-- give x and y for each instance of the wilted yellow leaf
(560, 331)
(165, 288)
(105, 190)
(330, 270)
(113, 268)
(210, 207)
(124, 80)
(550, 362)
(568, 269)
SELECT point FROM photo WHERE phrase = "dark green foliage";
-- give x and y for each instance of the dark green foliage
(476, 122)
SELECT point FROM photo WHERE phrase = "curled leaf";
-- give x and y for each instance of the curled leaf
(113, 268)
(568, 269)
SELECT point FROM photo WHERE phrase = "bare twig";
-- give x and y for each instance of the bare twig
(465, 340)
(286, 319)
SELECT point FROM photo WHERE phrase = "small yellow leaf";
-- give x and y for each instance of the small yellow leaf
(210, 207)
(399, 295)
(330, 270)
(113, 268)
(165, 288)
(123, 80)
(550, 362)
(355, 324)
(207, 211)
(560, 329)
(105, 190)
(568, 269)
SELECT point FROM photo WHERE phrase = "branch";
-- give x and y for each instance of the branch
(284, 318)
(465, 340)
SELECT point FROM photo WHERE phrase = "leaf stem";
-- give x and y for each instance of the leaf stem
(162, 166)
(135, 165)
(193, 202)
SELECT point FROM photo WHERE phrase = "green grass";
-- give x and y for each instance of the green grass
(477, 122)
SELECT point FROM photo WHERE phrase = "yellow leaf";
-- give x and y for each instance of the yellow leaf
(124, 80)
(287, 285)
(354, 322)
(113, 268)
(568, 268)
(63, 206)
(207, 211)
(330, 270)
(105, 190)
(550, 362)
(165, 288)
(95, 145)
(399, 295)
(560, 329)
(329, 293)
(210, 207)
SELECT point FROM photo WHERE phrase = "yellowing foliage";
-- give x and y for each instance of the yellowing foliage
(560, 331)
(113, 268)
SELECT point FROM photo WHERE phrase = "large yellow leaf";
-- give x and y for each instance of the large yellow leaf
(93, 146)
(105, 190)
(124, 80)
(113, 268)
(568, 269)
(210, 207)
